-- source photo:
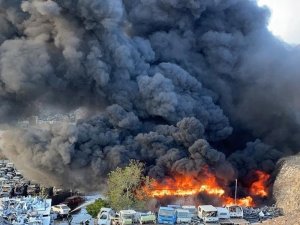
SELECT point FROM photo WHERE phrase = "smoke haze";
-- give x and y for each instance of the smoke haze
(176, 84)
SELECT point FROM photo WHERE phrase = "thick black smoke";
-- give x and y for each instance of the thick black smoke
(175, 84)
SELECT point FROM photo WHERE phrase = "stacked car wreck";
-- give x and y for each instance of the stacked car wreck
(25, 211)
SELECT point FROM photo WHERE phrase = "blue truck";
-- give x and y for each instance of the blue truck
(166, 215)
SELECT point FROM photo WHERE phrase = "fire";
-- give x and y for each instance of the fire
(258, 188)
(188, 185)
(185, 185)
(247, 201)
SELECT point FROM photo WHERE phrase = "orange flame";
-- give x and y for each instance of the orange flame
(185, 185)
(247, 201)
(258, 188)
(188, 185)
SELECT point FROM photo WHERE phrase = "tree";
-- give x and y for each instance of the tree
(94, 209)
(126, 187)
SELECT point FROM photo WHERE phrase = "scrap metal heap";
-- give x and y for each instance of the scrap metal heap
(12, 182)
(254, 215)
(25, 210)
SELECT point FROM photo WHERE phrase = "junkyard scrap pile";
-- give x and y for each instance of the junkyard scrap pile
(260, 214)
(12, 182)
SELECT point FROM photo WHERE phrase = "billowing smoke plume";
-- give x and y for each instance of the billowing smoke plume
(176, 84)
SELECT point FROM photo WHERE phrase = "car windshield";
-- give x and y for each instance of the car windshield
(127, 216)
(210, 214)
(103, 217)
(234, 209)
(183, 214)
(64, 207)
(164, 212)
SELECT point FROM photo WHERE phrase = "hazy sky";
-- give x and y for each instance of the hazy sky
(285, 20)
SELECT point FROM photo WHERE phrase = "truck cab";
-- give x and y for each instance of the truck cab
(103, 219)
(183, 216)
(105, 216)
(192, 209)
(146, 217)
(235, 211)
(127, 217)
(208, 213)
(166, 215)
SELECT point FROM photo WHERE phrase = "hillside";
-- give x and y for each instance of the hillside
(292, 218)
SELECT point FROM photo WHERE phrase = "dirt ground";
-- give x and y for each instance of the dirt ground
(292, 218)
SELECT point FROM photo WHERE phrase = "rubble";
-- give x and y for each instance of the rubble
(254, 215)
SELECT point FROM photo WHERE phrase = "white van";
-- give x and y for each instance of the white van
(183, 216)
(127, 217)
(104, 216)
(104, 219)
(208, 213)
(235, 211)
(107, 210)
(223, 213)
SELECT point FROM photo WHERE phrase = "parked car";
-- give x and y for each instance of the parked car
(235, 211)
(166, 215)
(61, 209)
(223, 213)
(127, 217)
(104, 219)
(146, 217)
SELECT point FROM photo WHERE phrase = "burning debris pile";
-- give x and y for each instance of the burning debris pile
(187, 185)
(179, 85)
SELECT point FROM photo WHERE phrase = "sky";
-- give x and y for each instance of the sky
(285, 19)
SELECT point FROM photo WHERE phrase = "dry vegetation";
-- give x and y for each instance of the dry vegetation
(287, 185)
(287, 192)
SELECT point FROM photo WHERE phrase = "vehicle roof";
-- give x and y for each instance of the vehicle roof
(174, 206)
(144, 212)
(207, 207)
(61, 205)
(75, 196)
(129, 211)
(183, 210)
(221, 209)
(234, 206)
(188, 206)
(166, 208)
